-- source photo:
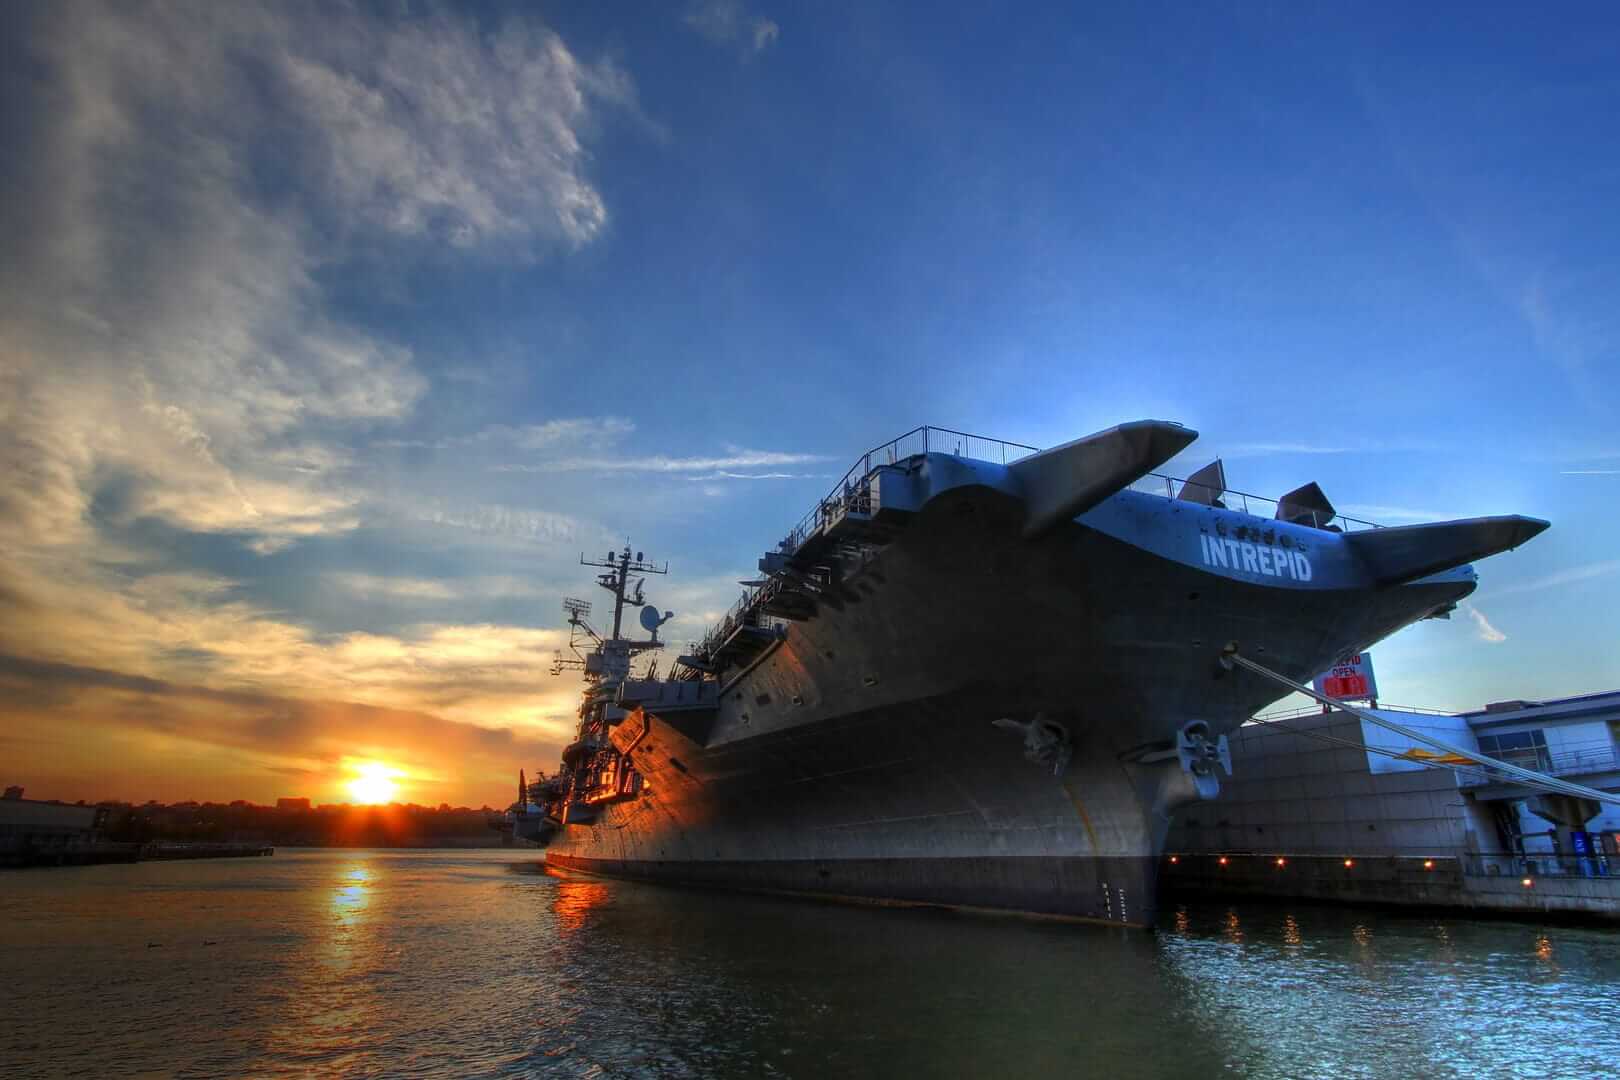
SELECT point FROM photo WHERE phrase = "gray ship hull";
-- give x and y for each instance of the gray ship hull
(858, 759)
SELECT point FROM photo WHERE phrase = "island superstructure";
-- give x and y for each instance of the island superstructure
(976, 675)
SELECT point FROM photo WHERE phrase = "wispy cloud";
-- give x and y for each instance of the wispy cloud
(1258, 449)
(1303, 447)
(728, 22)
(498, 156)
(1568, 328)
(721, 474)
(1382, 513)
(1482, 625)
(514, 522)
(1562, 577)
(741, 459)
(1512, 238)
(572, 432)
(1589, 472)
(199, 628)
(402, 587)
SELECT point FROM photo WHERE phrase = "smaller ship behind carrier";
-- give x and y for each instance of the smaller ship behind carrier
(594, 773)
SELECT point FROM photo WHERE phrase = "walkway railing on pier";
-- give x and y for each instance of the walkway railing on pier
(1599, 864)
(1594, 757)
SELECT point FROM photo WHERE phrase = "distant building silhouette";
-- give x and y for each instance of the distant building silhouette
(31, 830)
(292, 804)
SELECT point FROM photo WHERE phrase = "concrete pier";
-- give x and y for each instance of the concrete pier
(1310, 813)
(205, 851)
(1439, 882)
(94, 853)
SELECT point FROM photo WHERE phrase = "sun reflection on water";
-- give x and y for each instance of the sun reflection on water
(332, 1008)
(574, 901)
(380, 963)
(352, 894)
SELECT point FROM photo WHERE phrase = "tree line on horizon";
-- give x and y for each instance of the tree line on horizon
(294, 823)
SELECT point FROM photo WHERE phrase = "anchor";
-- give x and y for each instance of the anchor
(1046, 742)
(1199, 754)
(1198, 757)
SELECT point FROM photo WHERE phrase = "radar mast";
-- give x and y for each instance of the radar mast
(593, 771)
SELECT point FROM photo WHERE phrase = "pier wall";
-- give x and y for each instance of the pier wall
(1294, 794)
(1440, 882)
(1305, 818)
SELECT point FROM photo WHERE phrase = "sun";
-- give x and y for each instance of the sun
(374, 784)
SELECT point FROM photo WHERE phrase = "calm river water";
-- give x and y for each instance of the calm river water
(475, 964)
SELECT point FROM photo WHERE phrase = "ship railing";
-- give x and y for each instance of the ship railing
(853, 495)
(1257, 505)
(853, 492)
(746, 612)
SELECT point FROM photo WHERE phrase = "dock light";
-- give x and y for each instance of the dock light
(1223, 860)
(1282, 862)
(1428, 864)
(1175, 858)
(1528, 882)
(1348, 863)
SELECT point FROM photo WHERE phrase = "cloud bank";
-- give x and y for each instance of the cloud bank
(189, 180)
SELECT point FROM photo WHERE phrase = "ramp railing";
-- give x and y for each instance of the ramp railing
(853, 492)
(853, 495)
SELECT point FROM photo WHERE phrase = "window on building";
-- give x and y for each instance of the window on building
(1526, 749)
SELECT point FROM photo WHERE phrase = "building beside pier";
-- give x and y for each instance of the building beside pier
(31, 829)
(1574, 738)
(1329, 807)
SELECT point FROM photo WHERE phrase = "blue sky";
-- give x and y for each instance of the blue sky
(331, 335)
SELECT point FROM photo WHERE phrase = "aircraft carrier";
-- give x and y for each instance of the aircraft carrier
(976, 675)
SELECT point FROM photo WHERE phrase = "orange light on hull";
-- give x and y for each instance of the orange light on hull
(1348, 863)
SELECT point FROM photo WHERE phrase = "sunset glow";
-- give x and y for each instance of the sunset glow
(332, 336)
(374, 783)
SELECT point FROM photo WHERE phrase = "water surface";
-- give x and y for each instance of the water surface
(475, 964)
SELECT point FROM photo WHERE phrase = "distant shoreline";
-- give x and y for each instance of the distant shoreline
(425, 844)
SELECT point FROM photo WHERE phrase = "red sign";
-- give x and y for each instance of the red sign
(1345, 686)
(1351, 679)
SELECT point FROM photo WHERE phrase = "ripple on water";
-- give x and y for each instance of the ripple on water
(474, 964)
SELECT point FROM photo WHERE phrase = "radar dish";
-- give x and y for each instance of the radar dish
(649, 619)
